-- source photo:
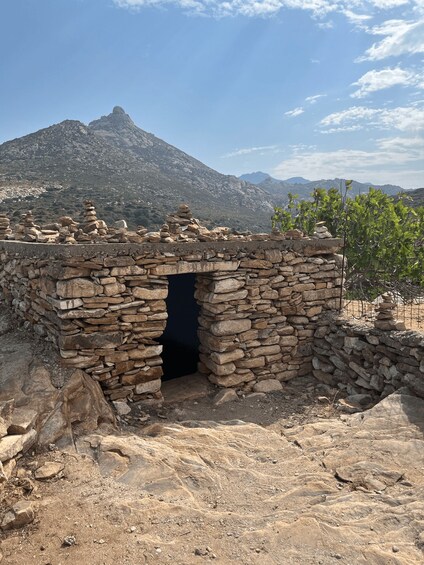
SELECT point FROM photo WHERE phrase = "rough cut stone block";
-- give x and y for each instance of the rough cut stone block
(221, 370)
(150, 387)
(229, 327)
(95, 340)
(145, 352)
(222, 358)
(81, 361)
(255, 264)
(78, 288)
(126, 271)
(227, 285)
(82, 313)
(265, 350)
(288, 341)
(226, 297)
(150, 293)
(118, 261)
(65, 304)
(255, 362)
(273, 255)
(145, 375)
(113, 289)
(232, 380)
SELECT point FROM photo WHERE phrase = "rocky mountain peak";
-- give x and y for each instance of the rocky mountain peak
(117, 120)
(127, 171)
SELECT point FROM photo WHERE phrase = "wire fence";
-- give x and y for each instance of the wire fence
(363, 293)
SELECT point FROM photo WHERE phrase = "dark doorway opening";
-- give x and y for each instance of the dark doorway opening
(180, 340)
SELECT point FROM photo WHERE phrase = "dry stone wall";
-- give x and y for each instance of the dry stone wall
(104, 306)
(366, 360)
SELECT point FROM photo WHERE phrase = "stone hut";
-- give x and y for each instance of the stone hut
(132, 314)
(134, 308)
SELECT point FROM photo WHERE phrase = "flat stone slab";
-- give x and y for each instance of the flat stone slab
(186, 388)
(10, 446)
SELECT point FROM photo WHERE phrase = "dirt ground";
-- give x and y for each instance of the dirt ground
(254, 481)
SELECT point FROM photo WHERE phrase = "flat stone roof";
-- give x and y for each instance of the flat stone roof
(87, 251)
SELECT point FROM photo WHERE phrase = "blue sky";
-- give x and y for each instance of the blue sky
(318, 88)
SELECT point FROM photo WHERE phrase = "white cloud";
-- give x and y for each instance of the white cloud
(388, 4)
(392, 161)
(342, 129)
(262, 150)
(356, 18)
(295, 112)
(313, 99)
(352, 114)
(372, 81)
(254, 8)
(221, 8)
(401, 37)
(251, 8)
(403, 118)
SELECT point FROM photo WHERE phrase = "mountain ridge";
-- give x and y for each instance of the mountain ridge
(128, 172)
(279, 189)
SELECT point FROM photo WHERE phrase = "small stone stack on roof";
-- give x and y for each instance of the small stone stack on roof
(92, 229)
(26, 230)
(68, 230)
(5, 230)
(321, 231)
(165, 236)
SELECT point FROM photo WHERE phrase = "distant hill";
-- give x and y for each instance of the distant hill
(259, 176)
(416, 196)
(297, 180)
(280, 189)
(128, 172)
(255, 178)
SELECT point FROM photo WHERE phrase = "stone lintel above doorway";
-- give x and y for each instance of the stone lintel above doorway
(183, 267)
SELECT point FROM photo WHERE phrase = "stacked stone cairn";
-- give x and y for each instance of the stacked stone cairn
(165, 236)
(385, 319)
(26, 230)
(67, 230)
(179, 220)
(92, 229)
(321, 231)
(289, 234)
(5, 230)
(179, 226)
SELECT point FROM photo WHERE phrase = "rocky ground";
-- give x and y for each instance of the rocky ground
(285, 478)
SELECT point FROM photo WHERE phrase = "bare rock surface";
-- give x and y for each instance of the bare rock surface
(343, 489)
(47, 403)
